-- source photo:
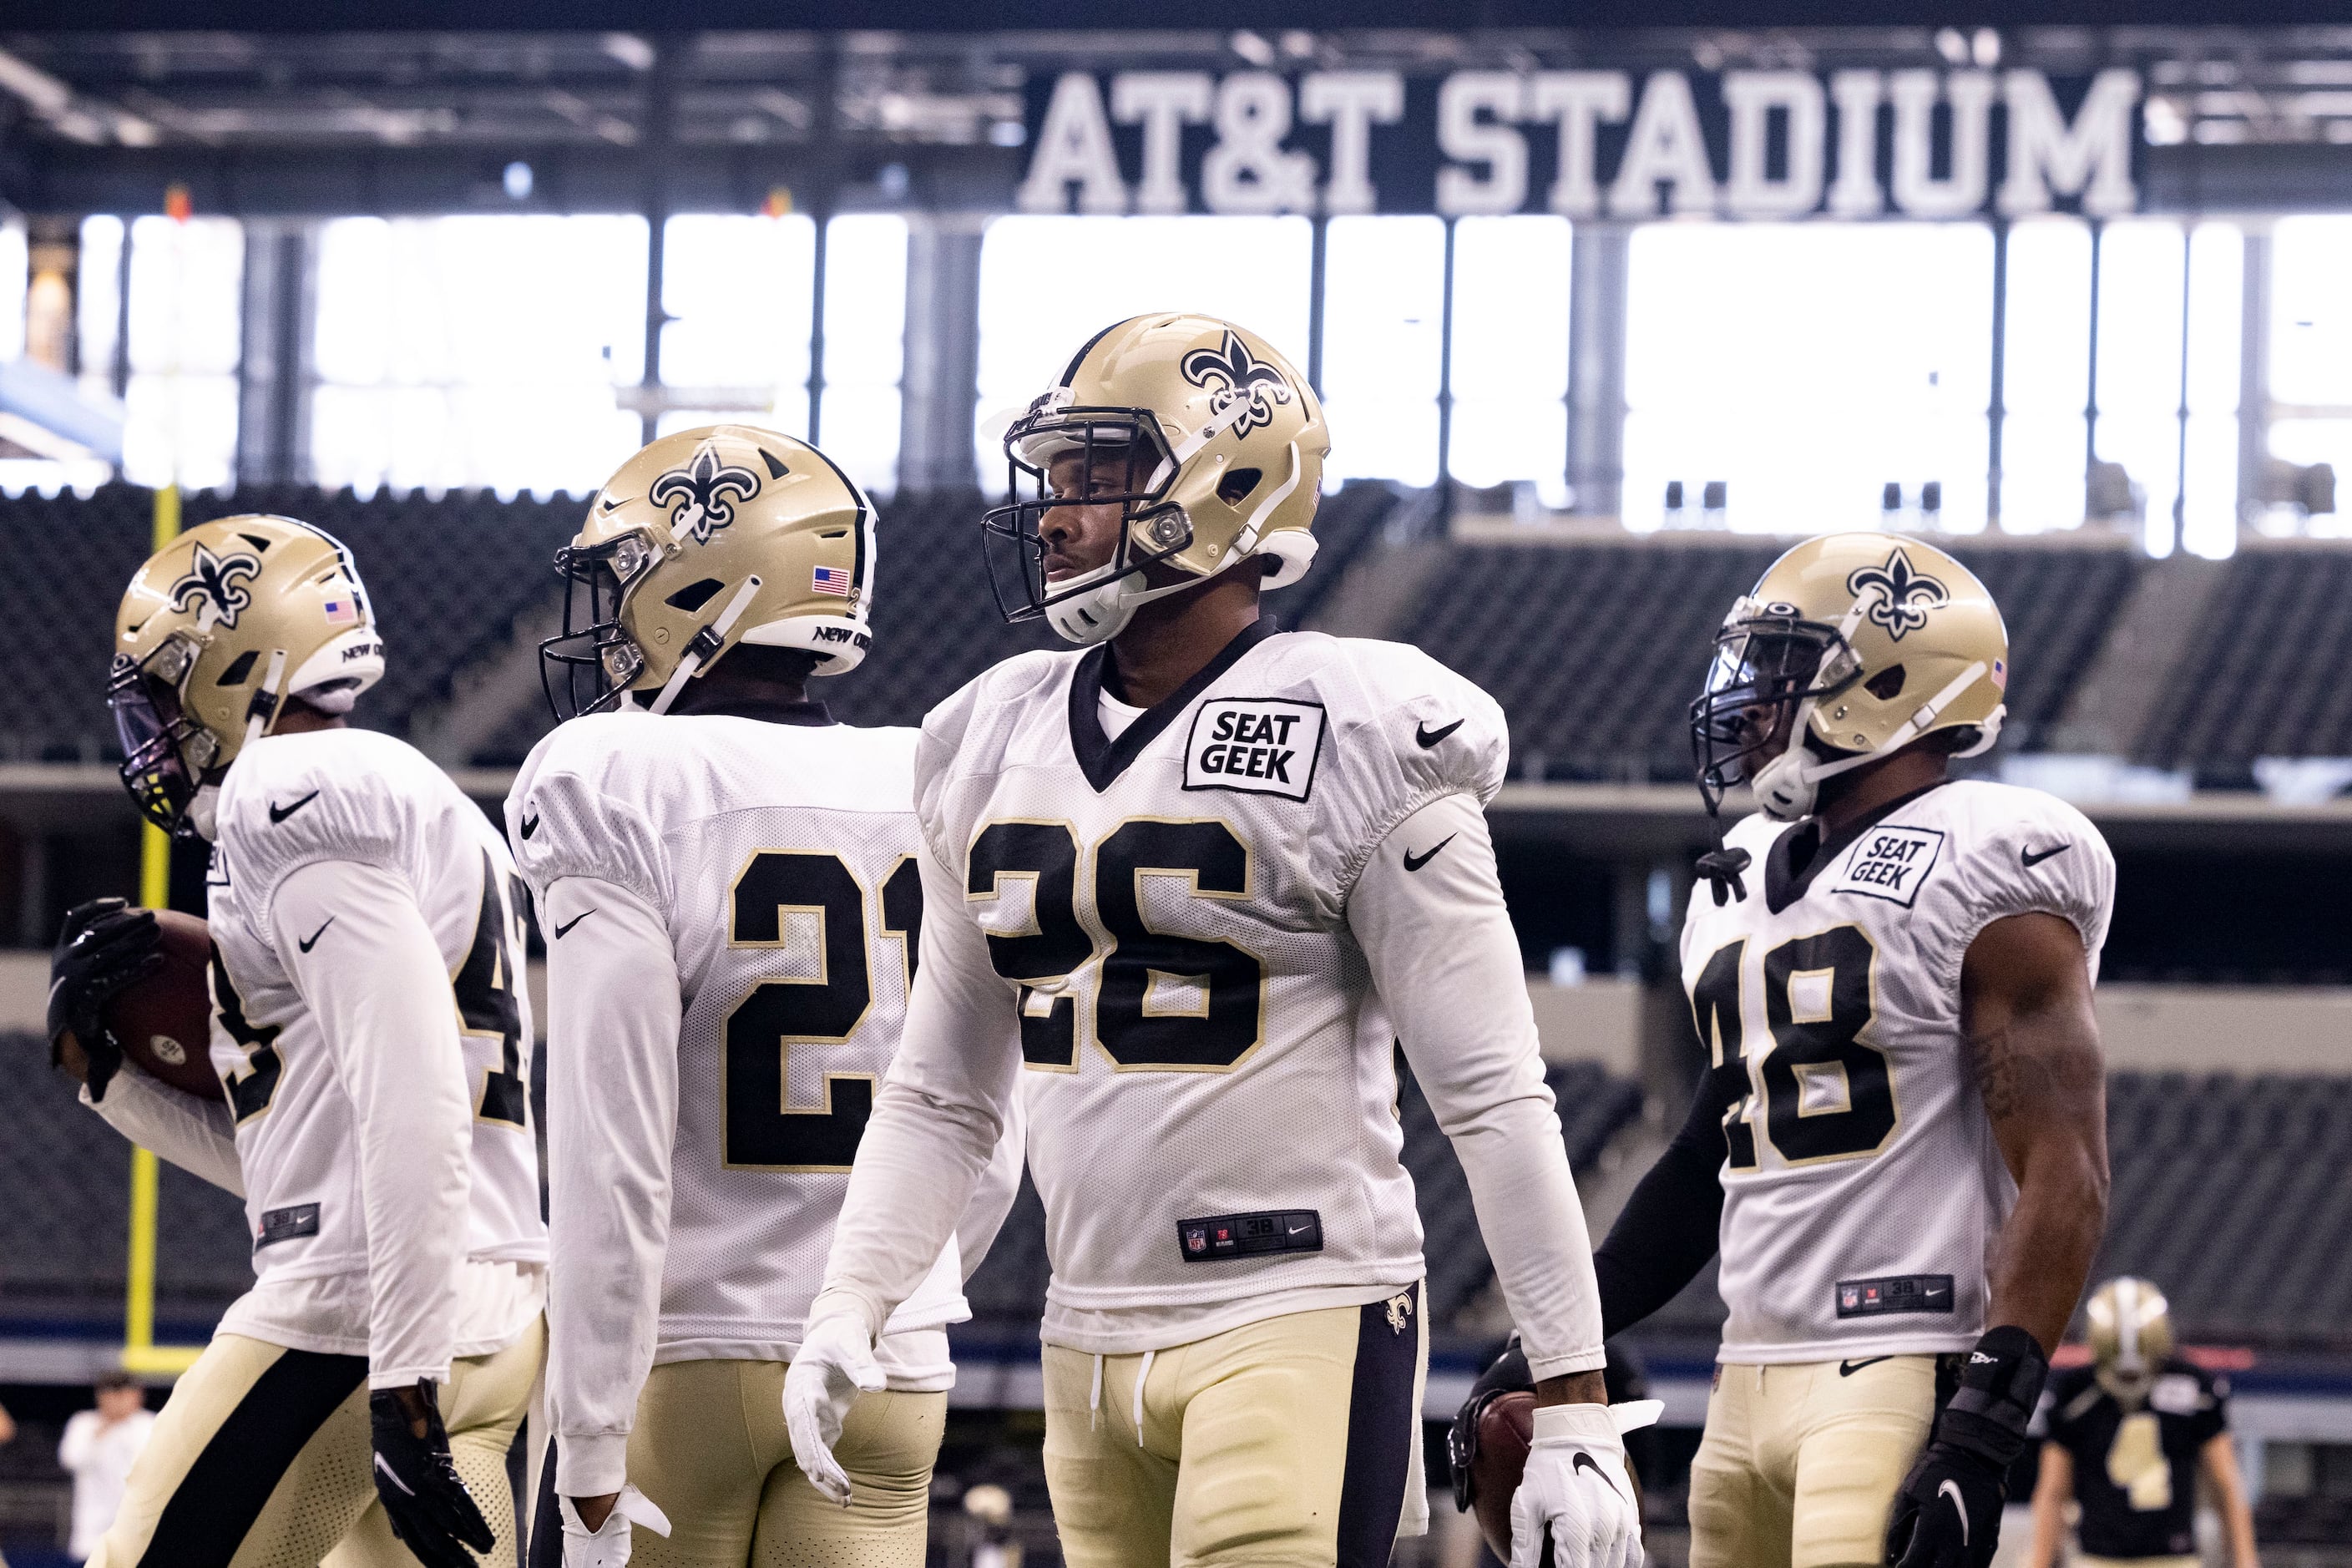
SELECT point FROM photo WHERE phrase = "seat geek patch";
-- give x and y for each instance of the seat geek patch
(1890, 863)
(1254, 745)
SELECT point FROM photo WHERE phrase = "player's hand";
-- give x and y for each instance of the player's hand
(1947, 1509)
(1576, 1494)
(835, 1365)
(607, 1546)
(431, 1511)
(104, 946)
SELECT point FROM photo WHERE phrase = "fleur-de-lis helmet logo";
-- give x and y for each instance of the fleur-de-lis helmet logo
(705, 492)
(1901, 597)
(1233, 376)
(215, 585)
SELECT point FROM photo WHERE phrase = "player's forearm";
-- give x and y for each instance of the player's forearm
(189, 1133)
(2230, 1492)
(2051, 1126)
(612, 1117)
(918, 1165)
(2051, 1490)
(384, 1008)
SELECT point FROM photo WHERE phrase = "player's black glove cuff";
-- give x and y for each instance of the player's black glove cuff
(2000, 1384)
(104, 946)
(423, 1497)
(1948, 1511)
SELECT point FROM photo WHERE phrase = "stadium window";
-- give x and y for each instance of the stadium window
(864, 345)
(98, 304)
(739, 292)
(2217, 275)
(2141, 279)
(1047, 284)
(2046, 359)
(1384, 346)
(1807, 367)
(2311, 350)
(179, 404)
(459, 352)
(1509, 371)
(15, 275)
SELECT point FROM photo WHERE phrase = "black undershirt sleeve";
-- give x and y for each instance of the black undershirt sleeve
(1667, 1231)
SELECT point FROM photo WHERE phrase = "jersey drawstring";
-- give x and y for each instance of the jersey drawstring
(1140, 1378)
(1094, 1398)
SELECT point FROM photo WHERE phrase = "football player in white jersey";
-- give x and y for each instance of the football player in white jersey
(372, 1035)
(727, 880)
(1899, 1146)
(1188, 887)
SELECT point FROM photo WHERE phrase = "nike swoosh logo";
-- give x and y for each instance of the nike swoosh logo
(1848, 1368)
(278, 814)
(1952, 1489)
(529, 826)
(561, 931)
(307, 944)
(1301, 1229)
(1429, 737)
(2034, 857)
(1415, 862)
(1584, 1461)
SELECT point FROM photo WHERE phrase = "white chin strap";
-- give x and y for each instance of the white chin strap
(705, 642)
(1102, 612)
(1786, 787)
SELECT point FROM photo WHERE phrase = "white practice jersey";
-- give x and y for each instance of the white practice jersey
(773, 866)
(353, 796)
(1864, 1190)
(1210, 1077)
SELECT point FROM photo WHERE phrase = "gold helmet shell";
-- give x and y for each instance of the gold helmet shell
(1224, 441)
(704, 541)
(216, 631)
(1850, 648)
(2131, 1333)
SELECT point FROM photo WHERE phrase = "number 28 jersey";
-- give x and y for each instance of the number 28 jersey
(1862, 1188)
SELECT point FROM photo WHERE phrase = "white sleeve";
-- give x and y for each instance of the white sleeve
(939, 1122)
(1446, 962)
(193, 1134)
(613, 1011)
(81, 1437)
(999, 1185)
(374, 977)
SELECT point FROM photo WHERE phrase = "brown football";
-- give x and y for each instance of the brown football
(1505, 1427)
(165, 1022)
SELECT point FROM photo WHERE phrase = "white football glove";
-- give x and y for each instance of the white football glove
(835, 1365)
(1576, 1486)
(608, 1547)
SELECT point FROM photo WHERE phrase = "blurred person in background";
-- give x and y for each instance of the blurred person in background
(2125, 1437)
(98, 1450)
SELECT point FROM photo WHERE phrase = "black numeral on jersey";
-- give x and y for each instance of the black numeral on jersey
(1136, 1026)
(1045, 854)
(1715, 1008)
(762, 1130)
(488, 1004)
(902, 913)
(1818, 1001)
(250, 1091)
(1836, 967)
(1167, 1003)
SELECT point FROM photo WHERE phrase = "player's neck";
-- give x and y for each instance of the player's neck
(300, 719)
(1849, 798)
(724, 691)
(1170, 640)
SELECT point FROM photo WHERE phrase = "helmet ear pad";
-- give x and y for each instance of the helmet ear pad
(1288, 553)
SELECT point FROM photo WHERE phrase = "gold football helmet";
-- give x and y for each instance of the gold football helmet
(705, 540)
(1848, 648)
(216, 631)
(1225, 443)
(2131, 1335)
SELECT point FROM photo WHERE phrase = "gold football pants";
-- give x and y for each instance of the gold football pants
(1288, 1443)
(710, 1447)
(262, 1459)
(1799, 1465)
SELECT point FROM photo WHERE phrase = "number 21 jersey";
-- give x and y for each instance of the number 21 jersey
(1862, 1188)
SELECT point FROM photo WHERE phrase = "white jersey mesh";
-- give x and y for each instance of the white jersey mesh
(768, 847)
(376, 801)
(1864, 1190)
(1200, 1030)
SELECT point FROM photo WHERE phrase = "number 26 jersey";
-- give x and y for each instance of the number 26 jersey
(1862, 1188)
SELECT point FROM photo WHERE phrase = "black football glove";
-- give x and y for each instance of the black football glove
(1947, 1509)
(431, 1511)
(105, 946)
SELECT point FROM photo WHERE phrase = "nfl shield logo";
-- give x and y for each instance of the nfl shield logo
(1849, 1297)
(1196, 1240)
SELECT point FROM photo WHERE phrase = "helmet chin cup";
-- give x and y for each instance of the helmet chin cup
(1785, 786)
(1097, 613)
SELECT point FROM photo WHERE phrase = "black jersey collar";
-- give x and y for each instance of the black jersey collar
(807, 711)
(1102, 759)
(1783, 886)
